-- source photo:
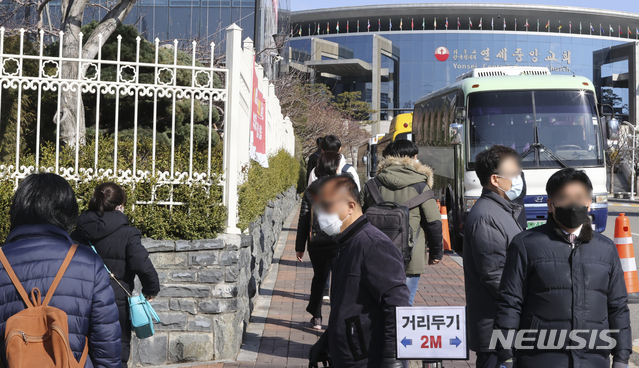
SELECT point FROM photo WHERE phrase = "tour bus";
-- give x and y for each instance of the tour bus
(551, 120)
(401, 127)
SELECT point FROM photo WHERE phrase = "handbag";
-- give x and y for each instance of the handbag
(141, 313)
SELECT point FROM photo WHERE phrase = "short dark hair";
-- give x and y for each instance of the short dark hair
(107, 197)
(487, 161)
(562, 177)
(44, 199)
(347, 182)
(401, 148)
(331, 143)
(327, 164)
(318, 141)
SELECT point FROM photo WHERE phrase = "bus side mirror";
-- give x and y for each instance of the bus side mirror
(456, 133)
(460, 115)
(612, 129)
(606, 110)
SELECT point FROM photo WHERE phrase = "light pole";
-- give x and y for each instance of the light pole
(280, 40)
(632, 170)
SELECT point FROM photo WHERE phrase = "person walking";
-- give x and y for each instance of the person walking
(106, 227)
(43, 212)
(331, 143)
(368, 283)
(561, 278)
(490, 227)
(401, 177)
(312, 159)
(322, 248)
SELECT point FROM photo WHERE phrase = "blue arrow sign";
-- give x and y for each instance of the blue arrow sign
(407, 342)
(456, 341)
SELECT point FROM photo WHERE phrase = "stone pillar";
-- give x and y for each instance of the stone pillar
(232, 126)
(376, 85)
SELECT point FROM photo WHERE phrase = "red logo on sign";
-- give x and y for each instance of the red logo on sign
(441, 53)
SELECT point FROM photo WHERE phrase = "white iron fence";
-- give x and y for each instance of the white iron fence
(160, 112)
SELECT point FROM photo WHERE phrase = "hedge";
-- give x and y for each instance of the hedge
(262, 185)
(202, 216)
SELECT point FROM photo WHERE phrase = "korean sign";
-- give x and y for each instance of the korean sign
(478, 58)
(431, 333)
(258, 124)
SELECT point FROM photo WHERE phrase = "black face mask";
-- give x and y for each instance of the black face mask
(571, 216)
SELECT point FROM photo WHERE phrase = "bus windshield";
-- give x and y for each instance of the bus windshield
(563, 123)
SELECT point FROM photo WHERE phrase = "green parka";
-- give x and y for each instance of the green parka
(402, 179)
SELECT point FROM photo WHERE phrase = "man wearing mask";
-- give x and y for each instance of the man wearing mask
(368, 283)
(563, 276)
(490, 227)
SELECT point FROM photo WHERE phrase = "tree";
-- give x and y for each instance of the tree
(609, 97)
(71, 18)
(128, 36)
(350, 105)
(315, 113)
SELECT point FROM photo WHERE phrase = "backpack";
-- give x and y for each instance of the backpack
(345, 168)
(394, 219)
(38, 336)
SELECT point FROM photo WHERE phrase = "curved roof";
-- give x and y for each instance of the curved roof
(498, 12)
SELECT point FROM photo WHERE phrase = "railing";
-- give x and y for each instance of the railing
(41, 85)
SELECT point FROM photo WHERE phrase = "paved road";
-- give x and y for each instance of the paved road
(632, 211)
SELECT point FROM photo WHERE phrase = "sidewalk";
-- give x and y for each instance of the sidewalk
(286, 339)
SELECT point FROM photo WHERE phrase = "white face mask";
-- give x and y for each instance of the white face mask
(517, 186)
(330, 223)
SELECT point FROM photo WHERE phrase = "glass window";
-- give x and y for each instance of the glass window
(545, 126)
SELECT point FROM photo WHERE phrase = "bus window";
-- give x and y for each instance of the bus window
(503, 118)
(566, 124)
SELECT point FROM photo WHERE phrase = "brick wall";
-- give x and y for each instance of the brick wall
(207, 290)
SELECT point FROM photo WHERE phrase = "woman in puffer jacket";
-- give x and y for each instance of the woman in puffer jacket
(43, 212)
(106, 227)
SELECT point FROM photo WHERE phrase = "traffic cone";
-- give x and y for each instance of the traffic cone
(444, 212)
(623, 241)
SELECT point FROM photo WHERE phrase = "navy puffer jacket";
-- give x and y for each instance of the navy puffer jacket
(35, 253)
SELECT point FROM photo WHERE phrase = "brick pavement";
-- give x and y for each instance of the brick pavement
(286, 339)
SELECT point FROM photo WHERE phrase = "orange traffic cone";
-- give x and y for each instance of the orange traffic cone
(445, 233)
(623, 241)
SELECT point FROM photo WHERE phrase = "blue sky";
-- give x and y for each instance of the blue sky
(621, 5)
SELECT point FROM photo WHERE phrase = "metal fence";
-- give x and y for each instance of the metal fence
(49, 132)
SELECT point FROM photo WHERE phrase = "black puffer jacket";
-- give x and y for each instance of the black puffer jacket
(368, 284)
(549, 284)
(308, 230)
(490, 227)
(121, 248)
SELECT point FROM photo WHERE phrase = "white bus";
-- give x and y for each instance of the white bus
(551, 120)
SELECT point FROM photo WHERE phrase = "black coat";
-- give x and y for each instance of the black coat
(368, 283)
(490, 227)
(522, 219)
(549, 284)
(308, 230)
(312, 162)
(120, 246)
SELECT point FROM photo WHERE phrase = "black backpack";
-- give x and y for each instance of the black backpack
(394, 219)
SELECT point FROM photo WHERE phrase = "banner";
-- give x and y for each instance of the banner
(258, 124)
